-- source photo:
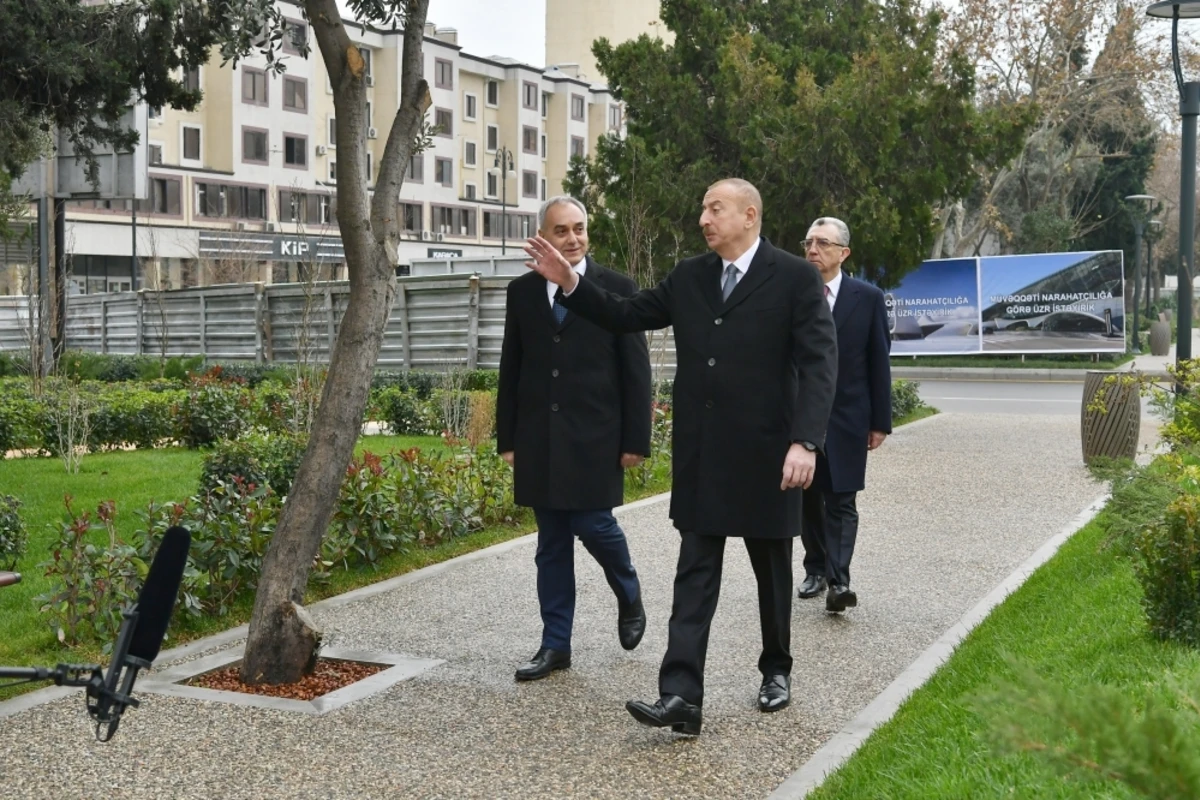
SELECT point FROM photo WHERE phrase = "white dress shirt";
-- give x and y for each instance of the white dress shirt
(834, 287)
(742, 263)
(552, 288)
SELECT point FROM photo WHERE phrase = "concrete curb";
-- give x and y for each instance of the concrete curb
(846, 742)
(1010, 374)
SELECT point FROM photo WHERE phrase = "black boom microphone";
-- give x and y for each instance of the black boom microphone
(142, 632)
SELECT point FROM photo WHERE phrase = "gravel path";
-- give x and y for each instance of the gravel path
(954, 504)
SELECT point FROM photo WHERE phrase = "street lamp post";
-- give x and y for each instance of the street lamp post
(504, 161)
(1189, 108)
(1139, 228)
(1151, 238)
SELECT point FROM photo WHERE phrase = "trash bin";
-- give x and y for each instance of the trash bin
(1111, 428)
(1160, 338)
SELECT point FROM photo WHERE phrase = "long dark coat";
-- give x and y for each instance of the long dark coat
(753, 374)
(863, 402)
(571, 399)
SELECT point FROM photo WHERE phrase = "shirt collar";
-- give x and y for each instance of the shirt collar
(835, 285)
(743, 261)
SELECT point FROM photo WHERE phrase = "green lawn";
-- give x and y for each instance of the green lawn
(1015, 362)
(1075, 623)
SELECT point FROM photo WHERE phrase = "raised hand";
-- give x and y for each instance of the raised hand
(549, 263)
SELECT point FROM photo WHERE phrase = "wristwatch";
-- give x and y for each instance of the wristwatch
(809, 446)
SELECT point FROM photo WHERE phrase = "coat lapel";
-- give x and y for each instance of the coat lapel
(847, 299)
(594, 272)
(761, 268)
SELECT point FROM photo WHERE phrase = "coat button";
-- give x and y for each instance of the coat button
(708, 404)
(554, 406)
(557, 338)
(717, 321)
(712, 362)
(554, 373)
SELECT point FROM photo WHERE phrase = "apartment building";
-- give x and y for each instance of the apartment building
(243, 188)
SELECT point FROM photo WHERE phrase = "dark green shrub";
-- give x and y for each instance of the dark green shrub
(176, 368)
(905, 398)
(81, 365)
(214, 409)
(13, 535)
(259, 459)
(13, 365)
(401, 409)
(127, 415)
(1168, 567)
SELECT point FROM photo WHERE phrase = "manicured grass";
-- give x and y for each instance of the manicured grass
(920, 413)
(1014, 362)
(1076, 623)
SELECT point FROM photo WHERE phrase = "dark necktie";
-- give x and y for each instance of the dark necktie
(730, 281)
(560, 312)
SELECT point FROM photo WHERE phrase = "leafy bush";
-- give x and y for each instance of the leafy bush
(657, 467)
(905, 398)
(13, 365)
(81, 365)
(402, 410)
(1168, 567)
(176, 368)
(369, 521)
(13, 536)
(89, 584)
(258, 459)
(213, 409)
(22, 417)
(133, 416)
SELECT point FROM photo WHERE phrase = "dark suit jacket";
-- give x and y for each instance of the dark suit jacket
(863, 402)
(571, 399)
(753, 374)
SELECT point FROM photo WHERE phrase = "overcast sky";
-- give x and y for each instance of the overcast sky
(513, 28)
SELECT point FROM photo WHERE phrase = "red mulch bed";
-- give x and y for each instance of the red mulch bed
(331, 674)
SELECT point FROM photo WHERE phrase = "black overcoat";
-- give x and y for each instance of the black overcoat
(863, 401)
(571, 399)
(753, 374)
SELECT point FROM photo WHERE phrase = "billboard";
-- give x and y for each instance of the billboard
(1039, 303)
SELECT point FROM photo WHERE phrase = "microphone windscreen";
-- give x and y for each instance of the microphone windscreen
(156, 600)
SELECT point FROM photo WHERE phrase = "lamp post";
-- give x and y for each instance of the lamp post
(1138, 211)
(1151, 238)
(1189, 108)
(504, 161)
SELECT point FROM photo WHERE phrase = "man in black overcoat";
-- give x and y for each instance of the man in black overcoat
(756, 361)
(572, 413)
(860, 421)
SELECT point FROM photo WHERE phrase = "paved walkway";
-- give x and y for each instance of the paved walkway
(956, 503)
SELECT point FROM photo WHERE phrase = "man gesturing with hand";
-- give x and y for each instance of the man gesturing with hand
(756, 356)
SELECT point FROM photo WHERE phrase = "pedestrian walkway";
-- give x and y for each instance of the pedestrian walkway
(955, 504)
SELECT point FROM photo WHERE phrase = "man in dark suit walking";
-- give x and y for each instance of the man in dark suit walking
(572, 413)
(861, 418)
(756, 360)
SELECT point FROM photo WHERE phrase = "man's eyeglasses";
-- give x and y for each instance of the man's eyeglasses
(824, 244)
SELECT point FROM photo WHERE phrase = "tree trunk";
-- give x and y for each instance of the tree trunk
(282, 641)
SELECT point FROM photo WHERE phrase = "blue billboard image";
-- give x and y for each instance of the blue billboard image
(1053, 302)
(935, 309)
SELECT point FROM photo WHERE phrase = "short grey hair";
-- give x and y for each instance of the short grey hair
(558, 201)
(841, 227)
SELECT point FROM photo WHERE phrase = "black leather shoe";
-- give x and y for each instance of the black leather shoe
(631, 623)
(840, 598)
(813, 585)
(775, 693)
(669, 711)
(545, 661)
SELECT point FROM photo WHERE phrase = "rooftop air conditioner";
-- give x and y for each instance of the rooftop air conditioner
(320, 149)
(269, 227)
(437, 237)
(372, 133)
(425, 236)
(370, 80)
(239, 226)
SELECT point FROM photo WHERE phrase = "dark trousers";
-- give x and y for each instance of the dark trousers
(555, 559)
(697, 585)
(829, 531)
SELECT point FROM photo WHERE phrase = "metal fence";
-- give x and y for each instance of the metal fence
(446, 314)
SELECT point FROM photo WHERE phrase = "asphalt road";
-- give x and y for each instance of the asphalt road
(1003, 397)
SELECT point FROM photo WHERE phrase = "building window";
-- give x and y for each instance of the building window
(328, 217)
(254, 86)
(443, 74)
(443, 171)
(292, 206)
(543, 147)
(331, 137)
(295, 151)
(493, 138)
(577, 147)
(470, 106)
(492, 185)
(529, 140)
(614, 118)
(469, 157)
(493, 93)
(221, 200)
(543, 189)
(529, 97)
(295, 94)
(520, 226)
(412, 217)
(191, 79)
(191, 143)
(443, 118)
(254, 145)
(333, 171)
(366, 57)
(416, 168)
(529, 184)
(370, 167)
(370, 114)
(577, 107)
(155, 153)
(453, 221)
(295, 36)
(469, 191)
(545, 104)
(154, 112)
(162, 197)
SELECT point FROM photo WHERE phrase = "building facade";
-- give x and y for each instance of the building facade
(243, 188)
(572, 27)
